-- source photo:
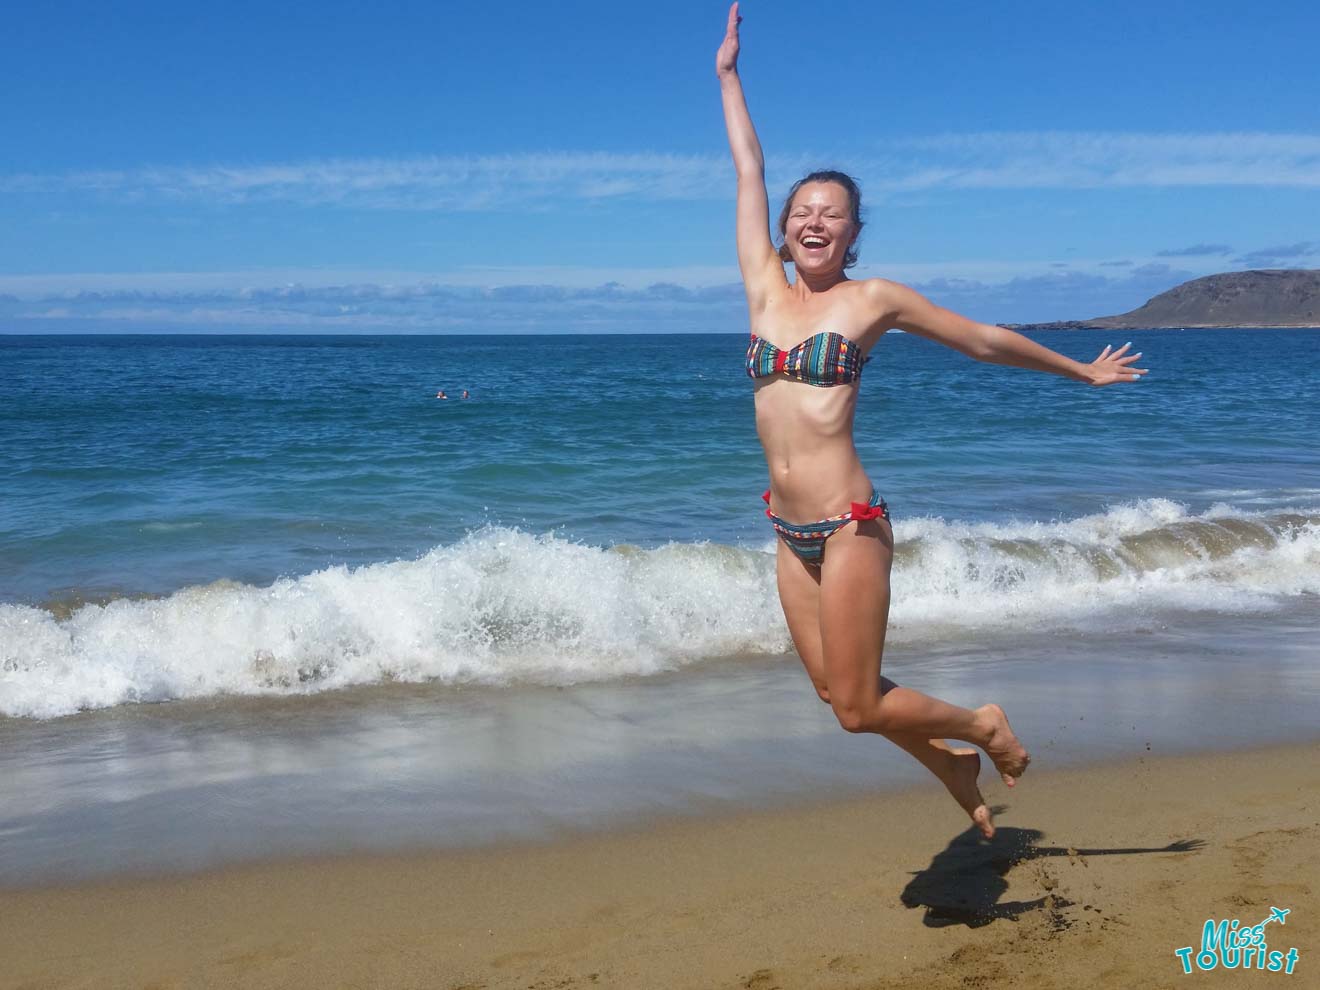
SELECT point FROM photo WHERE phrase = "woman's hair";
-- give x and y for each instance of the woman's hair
(854, 202)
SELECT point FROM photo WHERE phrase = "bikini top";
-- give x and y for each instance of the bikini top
(823, 360)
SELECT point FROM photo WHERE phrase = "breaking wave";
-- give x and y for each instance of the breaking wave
(504, 606)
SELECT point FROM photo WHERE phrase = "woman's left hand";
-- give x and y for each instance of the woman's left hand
(1115, 366)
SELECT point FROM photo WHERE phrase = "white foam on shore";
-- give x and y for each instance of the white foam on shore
(504, 606)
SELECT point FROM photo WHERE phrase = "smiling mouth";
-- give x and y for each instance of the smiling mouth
(814, 242)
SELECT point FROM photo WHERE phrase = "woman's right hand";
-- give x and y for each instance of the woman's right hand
(726, 59)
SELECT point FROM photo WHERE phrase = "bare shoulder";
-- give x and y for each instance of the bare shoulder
(897, 306)
(886, 300)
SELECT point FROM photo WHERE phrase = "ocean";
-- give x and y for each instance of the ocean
(232, 534)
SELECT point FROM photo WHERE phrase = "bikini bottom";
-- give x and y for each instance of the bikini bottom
(807, 540)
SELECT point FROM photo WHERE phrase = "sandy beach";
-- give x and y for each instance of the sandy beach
(1097, 875)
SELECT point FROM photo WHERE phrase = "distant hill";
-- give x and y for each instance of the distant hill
(1269, 298)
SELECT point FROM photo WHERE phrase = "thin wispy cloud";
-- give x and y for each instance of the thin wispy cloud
(1067, 160)
(435, 307)
(1280, 255)
(1195, 251)
(1045, 160)
(423, 307)
(477, 183)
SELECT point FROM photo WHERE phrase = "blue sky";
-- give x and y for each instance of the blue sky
(335, 167)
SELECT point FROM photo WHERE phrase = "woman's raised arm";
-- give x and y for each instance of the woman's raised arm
(757, 257)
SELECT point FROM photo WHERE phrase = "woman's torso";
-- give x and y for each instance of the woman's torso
(806, 429)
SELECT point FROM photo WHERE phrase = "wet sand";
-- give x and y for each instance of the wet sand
(1096, 876)
(707, 829)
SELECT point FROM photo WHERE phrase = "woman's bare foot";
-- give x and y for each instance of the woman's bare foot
(1009, 756)
(957, 770)
(966, 767)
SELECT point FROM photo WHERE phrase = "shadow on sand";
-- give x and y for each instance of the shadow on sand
(963, 884)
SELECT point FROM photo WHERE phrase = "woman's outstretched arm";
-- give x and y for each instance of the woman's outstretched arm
(909, 310)
(756, 253)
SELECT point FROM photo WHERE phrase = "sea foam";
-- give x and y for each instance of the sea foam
(504, 606)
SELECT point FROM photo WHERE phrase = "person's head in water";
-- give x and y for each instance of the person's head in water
(820, 221)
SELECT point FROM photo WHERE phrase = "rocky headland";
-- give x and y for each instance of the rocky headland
(1265, 298)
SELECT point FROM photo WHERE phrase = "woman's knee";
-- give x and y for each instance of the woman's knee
(853, 717)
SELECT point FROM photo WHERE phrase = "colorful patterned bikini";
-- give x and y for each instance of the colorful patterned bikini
(825, 360)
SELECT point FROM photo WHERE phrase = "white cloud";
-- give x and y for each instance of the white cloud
(450, 183)
(571, 302)
(1071, 160)
(1026, 160)
(43, 285)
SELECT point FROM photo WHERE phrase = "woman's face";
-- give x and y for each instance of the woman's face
(819, 229)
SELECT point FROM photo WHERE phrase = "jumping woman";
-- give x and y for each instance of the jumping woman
(810, 338)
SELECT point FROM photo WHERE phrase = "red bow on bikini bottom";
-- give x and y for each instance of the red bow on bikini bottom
(862, 512)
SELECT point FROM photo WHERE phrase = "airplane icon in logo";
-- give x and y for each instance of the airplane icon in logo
(1277, 914)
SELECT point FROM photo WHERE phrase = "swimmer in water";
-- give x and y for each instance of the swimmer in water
(810, 338)
(441, 394)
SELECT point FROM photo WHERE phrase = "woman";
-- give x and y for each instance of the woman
(836, 546)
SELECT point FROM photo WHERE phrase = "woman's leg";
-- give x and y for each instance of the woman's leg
(854, 612)
(957, 769)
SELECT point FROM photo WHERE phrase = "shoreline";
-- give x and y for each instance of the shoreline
(186, 786)
(843, 893)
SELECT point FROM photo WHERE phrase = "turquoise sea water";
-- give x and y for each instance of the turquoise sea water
(193, 516)
(382, 620)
